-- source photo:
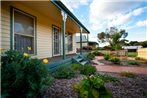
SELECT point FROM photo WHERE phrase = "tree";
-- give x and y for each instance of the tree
(143, 43)
(113, 37)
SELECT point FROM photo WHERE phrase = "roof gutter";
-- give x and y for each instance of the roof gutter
(62, 7)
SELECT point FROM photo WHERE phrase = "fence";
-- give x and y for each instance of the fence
(117, 53)
(142, 53)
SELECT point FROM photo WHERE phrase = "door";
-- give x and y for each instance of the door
(56, 41)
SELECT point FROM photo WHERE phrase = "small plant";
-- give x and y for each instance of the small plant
(23, 77)
(128, 74)
(92, 87)
(87, 69)
(106, 78)
(115, 60)
(76, 67)
(90, 56)
(64, 72)
(145, 94)
(107, 56)
(133, 62)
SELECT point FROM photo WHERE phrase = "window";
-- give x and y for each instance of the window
(70, 42)
(24, 31)
(56, 40)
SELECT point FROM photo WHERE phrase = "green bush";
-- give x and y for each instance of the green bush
(76, 67)
(115, 60)
(106, 78)
(133, 62)
(107, 56)
(23, 77)
(64, 72)
(92, 87)
(90, 56)
(128, 74)
(87, 69)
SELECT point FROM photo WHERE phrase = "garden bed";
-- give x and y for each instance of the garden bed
(135, 87)
(63, 88)
(137, 63)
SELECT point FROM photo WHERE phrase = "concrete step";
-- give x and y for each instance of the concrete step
(79, 59)
(84, 62)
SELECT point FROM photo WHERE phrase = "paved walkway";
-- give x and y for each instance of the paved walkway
(112, 68)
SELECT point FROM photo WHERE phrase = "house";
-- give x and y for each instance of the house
(131, 48)
(84, 41)
(47, 27)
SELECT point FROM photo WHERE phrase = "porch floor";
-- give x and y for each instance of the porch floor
(59, 58)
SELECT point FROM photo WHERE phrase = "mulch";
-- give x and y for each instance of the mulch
(125, 88)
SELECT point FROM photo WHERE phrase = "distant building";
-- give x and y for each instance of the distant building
(131, 48)
(93, 44)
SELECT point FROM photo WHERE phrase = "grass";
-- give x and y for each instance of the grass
(132, 54)
(128, 74)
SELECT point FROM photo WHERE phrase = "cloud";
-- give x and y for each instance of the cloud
(106, 13)
(138, 11)
(74, 4)
(141, 23)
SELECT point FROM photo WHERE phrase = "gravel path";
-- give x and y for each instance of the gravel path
(126, 88)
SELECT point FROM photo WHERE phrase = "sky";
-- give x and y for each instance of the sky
(97, 15)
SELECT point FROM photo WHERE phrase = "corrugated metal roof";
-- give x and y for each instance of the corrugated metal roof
(131, 47)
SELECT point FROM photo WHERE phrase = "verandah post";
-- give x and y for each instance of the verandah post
(64, 16)
(81, 30)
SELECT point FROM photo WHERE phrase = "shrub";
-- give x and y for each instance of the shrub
(92, 87)
(133, 62)
(90, 56)
(106, 78)
(76, 67)
(128, 74)
(64, 72)
(145, 94)
(107, 56)
(87, 69)
(23, 77)
(115, 60)
(96, 53)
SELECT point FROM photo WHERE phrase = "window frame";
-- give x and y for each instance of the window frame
(34, 36)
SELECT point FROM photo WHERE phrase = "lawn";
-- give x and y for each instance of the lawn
(132, 54)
